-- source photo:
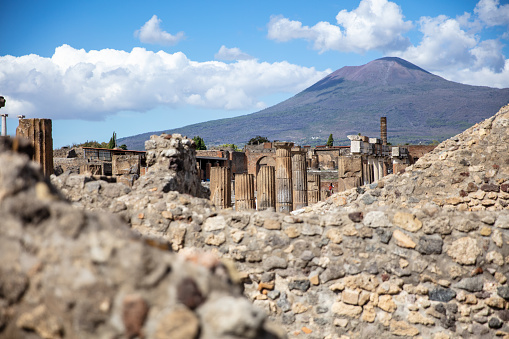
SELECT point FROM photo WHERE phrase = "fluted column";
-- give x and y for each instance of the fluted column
(39, 132)
(266, 188)
(314, 183)
(284, 187)
(220, 187)
(244, 192)
(299, 179)
(375, 169)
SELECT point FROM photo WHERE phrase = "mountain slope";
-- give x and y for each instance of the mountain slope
(419, 106)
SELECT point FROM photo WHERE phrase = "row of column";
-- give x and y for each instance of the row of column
(283, 187)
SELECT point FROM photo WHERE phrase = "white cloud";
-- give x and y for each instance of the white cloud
(230, 54)
(448, 50)
(151, 33)
(375, 24)
(492, 13)
(90, 85)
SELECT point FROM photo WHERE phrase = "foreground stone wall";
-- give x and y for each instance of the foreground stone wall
(386, 260)
(69, 273)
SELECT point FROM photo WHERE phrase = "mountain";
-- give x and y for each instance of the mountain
(419, 106)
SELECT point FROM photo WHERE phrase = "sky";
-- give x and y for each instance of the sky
(96, 67)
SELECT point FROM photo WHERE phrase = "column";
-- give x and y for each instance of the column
(375, 169)
(244, 192)
(284, 187)
(314, 183)
(383, 130)
(299, 179)
(4, 124)
(220, 187)
(266, 188)
(38, 131)
(380, 168)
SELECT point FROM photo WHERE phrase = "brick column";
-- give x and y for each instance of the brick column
(38, 131)
(266, 188)
(299, 179)
(383, 130)
(314, 183)
(220, 187)
(284, 187)
(244, 192)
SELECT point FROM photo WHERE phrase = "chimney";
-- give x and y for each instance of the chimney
(383, 130)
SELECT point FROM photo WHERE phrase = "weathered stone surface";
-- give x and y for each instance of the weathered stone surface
(464, 251)
(179, 324)
(407, 221)
(474, 284)
(403, 240)
(442, 294)
(346, 310)
(430, 245)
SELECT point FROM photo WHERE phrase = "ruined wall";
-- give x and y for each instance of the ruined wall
(68, 273)
(238, 162)
(38, 131)
(172, 165)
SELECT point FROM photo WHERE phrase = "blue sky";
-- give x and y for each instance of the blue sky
(95, 67)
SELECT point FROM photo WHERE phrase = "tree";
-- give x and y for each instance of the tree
(123, 146)
(257, 140)
(233, 147)
(200, 144)
(113, 141)
(330, 142)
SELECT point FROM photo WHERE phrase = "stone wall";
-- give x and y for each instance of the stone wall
(363, 263)
(70, 273)
(172, 165)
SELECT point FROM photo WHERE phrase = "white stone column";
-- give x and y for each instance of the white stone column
(376, 173)
(4, 124)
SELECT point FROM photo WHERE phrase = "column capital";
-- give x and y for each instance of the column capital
(280, 144)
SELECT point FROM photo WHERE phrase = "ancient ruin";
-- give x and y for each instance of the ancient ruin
(422, 252)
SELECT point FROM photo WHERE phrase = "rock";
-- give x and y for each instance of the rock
(273, 262)
(430, 245)
(495, 323)
(386, 303)
(225, 317)
(402, 328)
(350, 297)
(442, 294)
(403, 240)
(502, 221)
(407, 221)
(503, 291)
(134, 313)
(179, 324)
(464, 251)
(474, 284)
(376, 219)
(346, 310)
(331, 273)
(417, 318)
(271, 224)
(335, 235)
(299, 284)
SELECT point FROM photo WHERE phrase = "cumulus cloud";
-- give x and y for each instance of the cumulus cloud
(374, 25)
(151, 33)
(492, 13)
(452, 49)
(230, 54)
(74, 83)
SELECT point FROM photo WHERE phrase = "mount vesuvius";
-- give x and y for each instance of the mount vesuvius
(419, 106)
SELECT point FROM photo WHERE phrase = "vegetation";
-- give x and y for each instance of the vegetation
(113, 141)
(232, 146)
(123, 146)
(200, 144)
(92, 143)
(330, 142)
(257, 140)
